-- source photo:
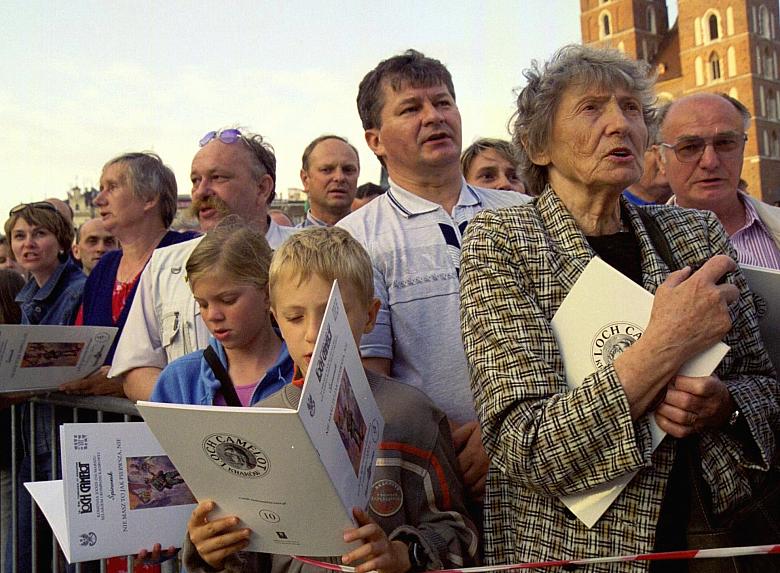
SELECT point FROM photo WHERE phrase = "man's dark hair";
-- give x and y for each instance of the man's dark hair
(411, 67)
(369, 190)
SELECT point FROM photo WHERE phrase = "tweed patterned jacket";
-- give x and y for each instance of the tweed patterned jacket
(545, 440)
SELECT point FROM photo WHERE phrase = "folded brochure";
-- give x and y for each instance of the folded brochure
(41, 357)
(765, 284)
(119, 493)
(592, 330)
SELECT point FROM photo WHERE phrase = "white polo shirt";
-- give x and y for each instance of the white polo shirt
(414, 246)
(164, 320)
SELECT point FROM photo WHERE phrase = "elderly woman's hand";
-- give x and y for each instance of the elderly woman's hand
(690, 311)
(693, 404)
(690, 314)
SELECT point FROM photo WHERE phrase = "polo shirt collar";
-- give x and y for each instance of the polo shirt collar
(312, 221)
(410, 204)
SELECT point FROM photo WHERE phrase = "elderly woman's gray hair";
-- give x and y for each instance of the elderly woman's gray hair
(537, 102)
(150, 178)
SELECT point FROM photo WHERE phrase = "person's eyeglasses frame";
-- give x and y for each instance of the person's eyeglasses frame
(702, 142)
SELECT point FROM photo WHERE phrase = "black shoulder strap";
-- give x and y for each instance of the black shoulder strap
(657, 237)
(228, 390)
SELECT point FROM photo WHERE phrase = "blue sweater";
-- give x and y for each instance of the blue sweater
(99, 289)
(190, 379)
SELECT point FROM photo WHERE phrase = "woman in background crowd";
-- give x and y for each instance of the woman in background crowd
(137, 204)
(493, 164)
(40, 243)
(40, 240)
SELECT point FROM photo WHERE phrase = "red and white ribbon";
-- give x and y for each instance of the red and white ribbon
(669, 555)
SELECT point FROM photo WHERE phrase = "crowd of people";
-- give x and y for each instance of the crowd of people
(450, 276)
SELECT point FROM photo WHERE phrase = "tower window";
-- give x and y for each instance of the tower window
(714, 67)
(712, 22)
(763, 22)
(606, 27)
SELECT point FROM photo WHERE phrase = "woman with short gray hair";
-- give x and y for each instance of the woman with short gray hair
(581, 126)
(137, 204)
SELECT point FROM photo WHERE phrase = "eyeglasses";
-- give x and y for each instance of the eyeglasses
(224, 135)
(691, 149)
(37, 205)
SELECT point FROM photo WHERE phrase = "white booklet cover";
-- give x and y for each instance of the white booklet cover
(119, 494)
(603, 314)
(291, 476)
(41, 357)
(765, 284)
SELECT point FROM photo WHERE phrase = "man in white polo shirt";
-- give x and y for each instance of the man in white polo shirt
(413, 235)
(232, 173)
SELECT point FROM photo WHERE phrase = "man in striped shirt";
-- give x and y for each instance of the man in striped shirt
(703, 142)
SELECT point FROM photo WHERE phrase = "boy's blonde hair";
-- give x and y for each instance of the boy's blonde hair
(234, 251)
(328, 252)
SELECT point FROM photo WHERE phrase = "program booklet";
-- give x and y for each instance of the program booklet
(41, 357)
(765, 284)
(119, 494)
(603, 314)
(291, 476)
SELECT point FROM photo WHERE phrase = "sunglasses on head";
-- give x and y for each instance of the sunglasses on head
(224, 135)
(36, 205)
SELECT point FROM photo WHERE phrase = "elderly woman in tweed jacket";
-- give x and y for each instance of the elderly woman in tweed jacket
(581, 125)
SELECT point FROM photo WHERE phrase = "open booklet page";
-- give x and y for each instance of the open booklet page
(603, 314)
(291, 476)
(119, 493)
(41, 357)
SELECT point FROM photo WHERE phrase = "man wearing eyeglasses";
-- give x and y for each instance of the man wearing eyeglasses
(234, 172)
(703, 144)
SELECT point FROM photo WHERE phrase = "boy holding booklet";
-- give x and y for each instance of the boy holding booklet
(416, 519)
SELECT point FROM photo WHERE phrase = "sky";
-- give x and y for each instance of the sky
(86, 81)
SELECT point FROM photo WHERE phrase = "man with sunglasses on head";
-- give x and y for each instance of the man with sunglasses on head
(234, 172)
(703, 143)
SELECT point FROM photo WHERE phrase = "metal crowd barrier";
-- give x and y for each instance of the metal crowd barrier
(65, 409)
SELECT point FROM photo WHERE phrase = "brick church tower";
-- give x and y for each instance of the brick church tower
(720, 46)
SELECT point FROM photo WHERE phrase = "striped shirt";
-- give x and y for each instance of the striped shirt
(754, 243)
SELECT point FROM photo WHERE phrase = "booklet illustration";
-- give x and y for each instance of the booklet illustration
(765, 284)
(41, 357)
(119, 494)
(291, 476)
(592, 330)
